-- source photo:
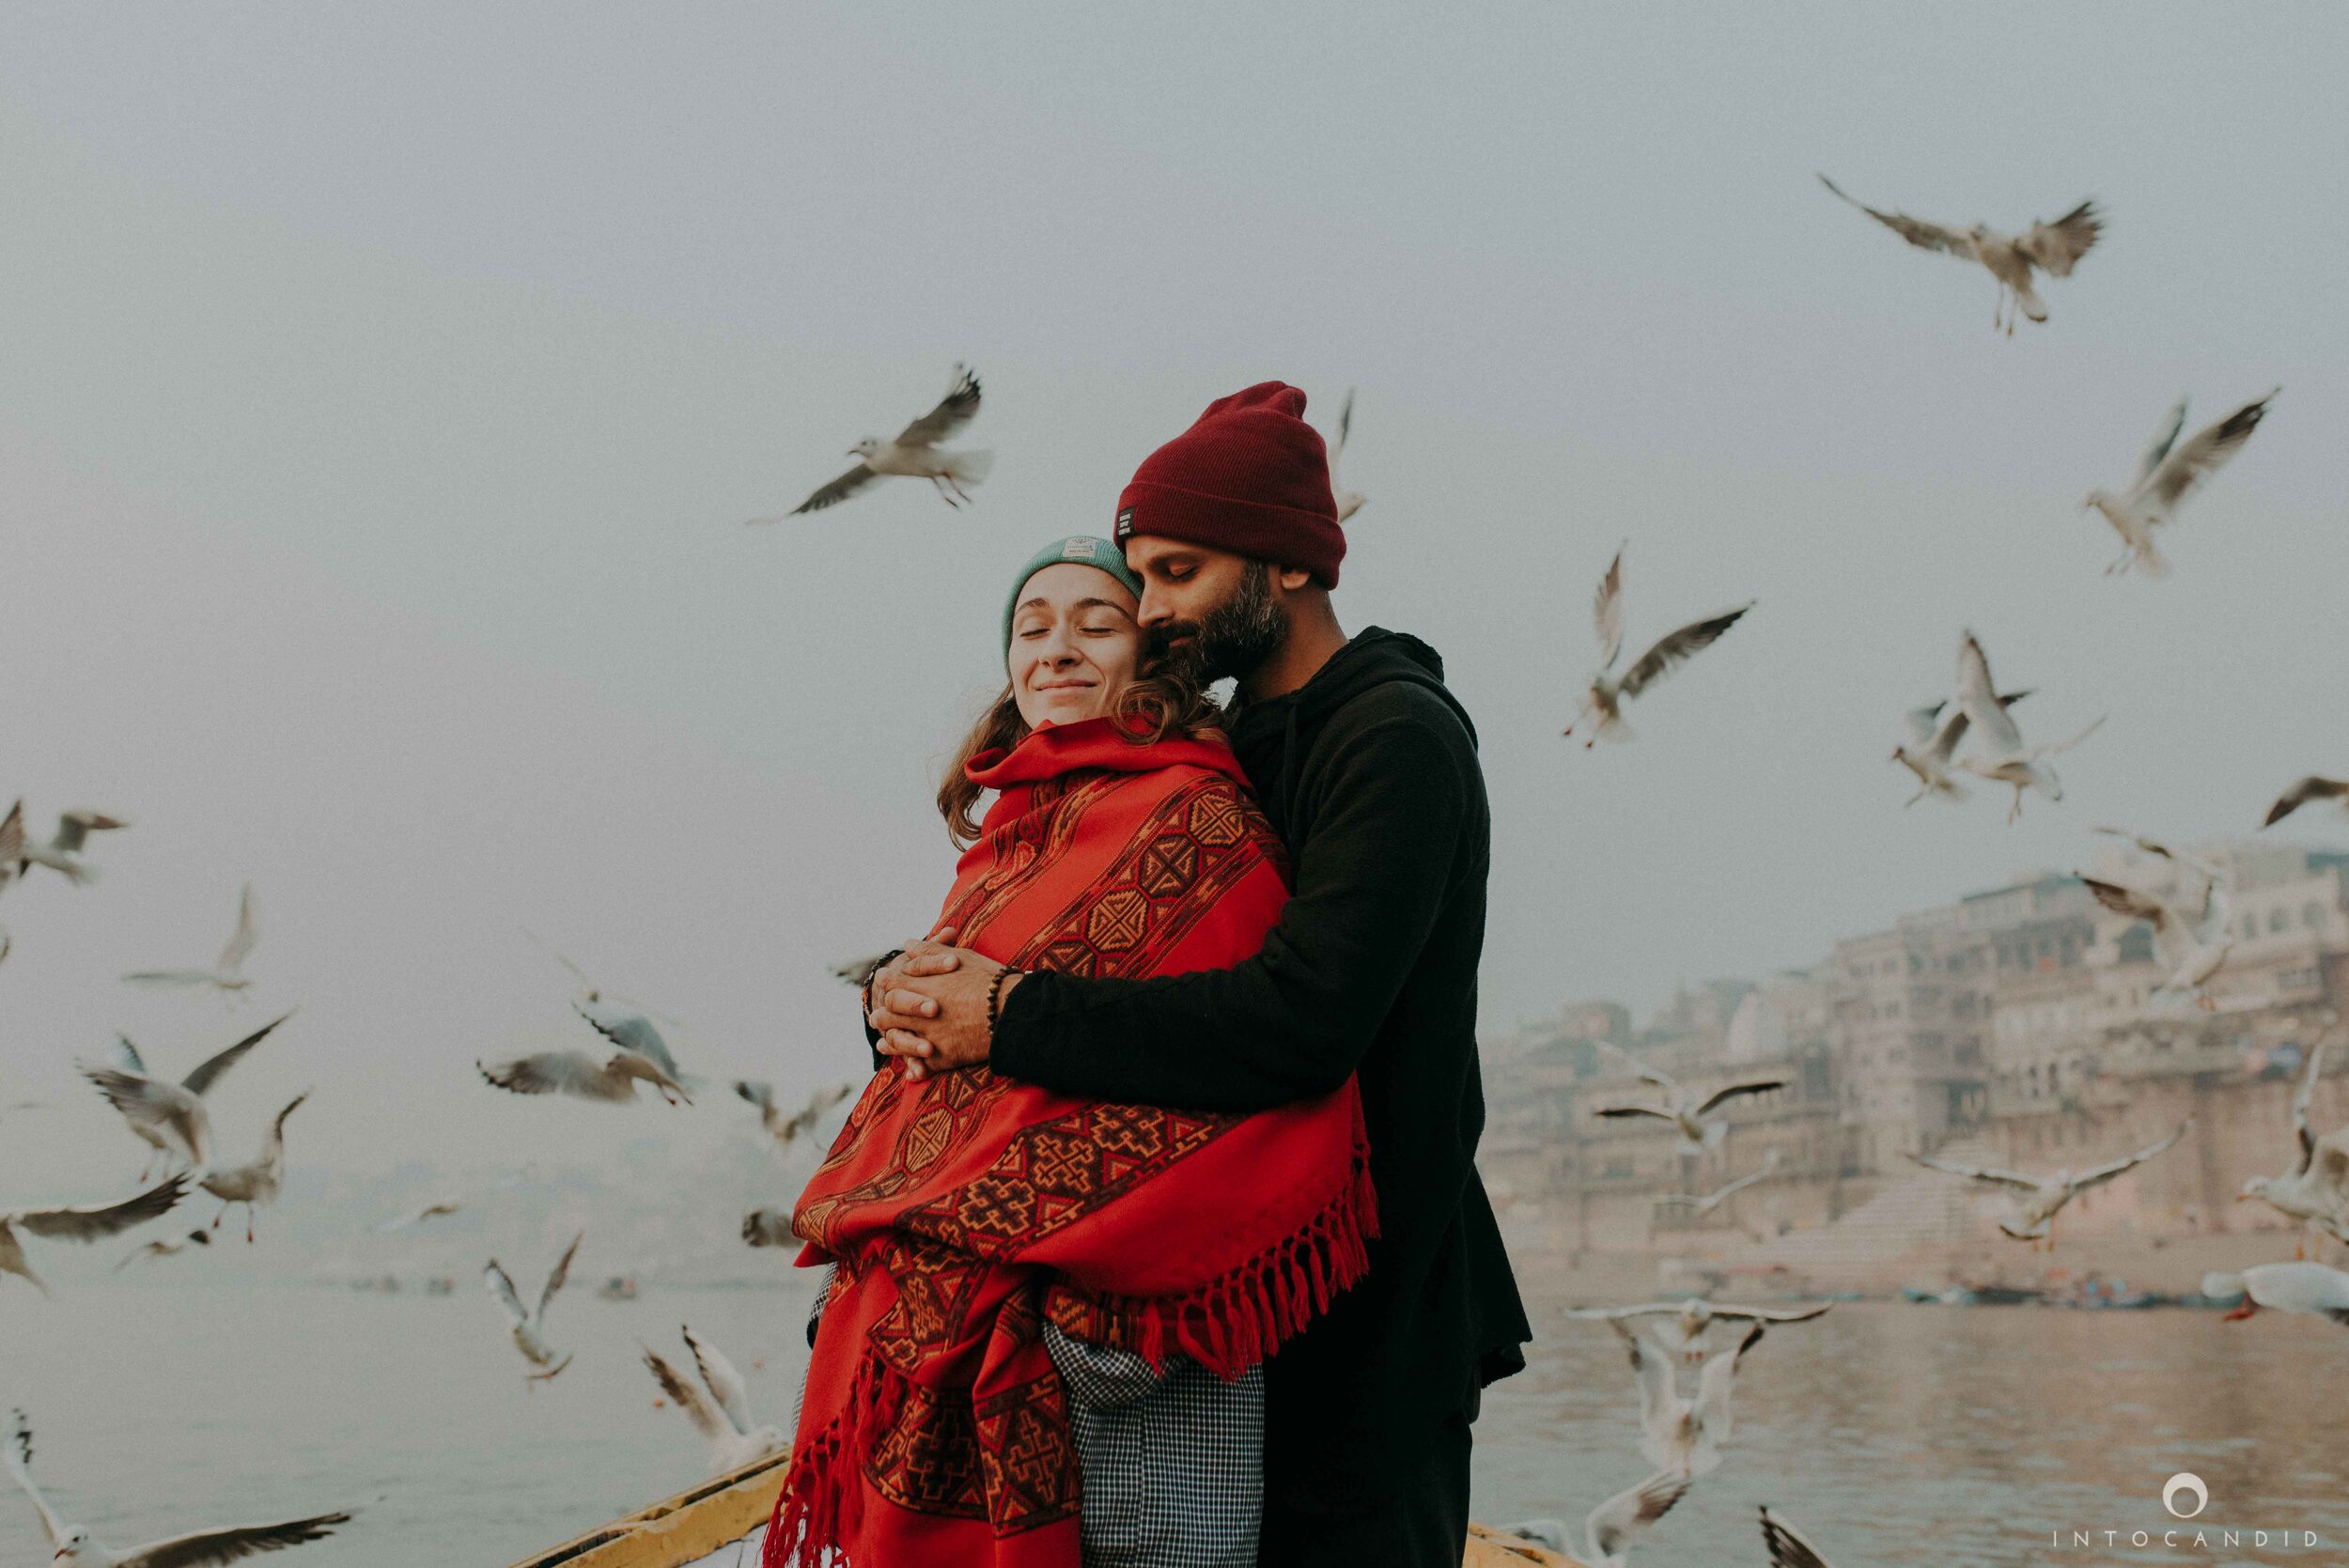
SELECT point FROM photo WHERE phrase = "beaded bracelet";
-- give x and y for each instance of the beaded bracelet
(995, 1000)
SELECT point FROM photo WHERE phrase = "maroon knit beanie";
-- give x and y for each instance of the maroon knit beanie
(1251, 476)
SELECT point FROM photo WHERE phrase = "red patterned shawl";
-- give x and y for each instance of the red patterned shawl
(965, 1209)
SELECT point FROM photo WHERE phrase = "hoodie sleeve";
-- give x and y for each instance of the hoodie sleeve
(1292, 1022)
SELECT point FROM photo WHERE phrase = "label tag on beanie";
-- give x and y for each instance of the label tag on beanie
(1125, 529)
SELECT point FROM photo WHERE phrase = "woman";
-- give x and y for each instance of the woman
(983, 1231)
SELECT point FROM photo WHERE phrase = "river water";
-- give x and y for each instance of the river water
(1892, 1434)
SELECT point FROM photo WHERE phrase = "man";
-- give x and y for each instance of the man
(1367, 769)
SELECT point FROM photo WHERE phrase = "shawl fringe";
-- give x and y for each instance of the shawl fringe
(822, 1503)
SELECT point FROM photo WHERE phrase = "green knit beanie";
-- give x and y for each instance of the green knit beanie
(1085, 550)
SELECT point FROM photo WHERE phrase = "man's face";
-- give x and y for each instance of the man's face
(1208, 607)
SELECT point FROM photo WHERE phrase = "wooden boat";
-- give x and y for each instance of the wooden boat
(711, 1526)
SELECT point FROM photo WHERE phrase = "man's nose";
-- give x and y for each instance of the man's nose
(1155, 609)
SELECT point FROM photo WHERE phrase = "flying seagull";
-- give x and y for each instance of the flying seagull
(167, 1247)
(2315, 1190)
(1707, 1202)
(858, 971)
(259, 1181)
(1682, 1109)
(530, 1327)
(94, 1224)
(2050, 248)
(2166, 476)
(2285, 1287)
(1934, 734)
(915, 454)
(2042, 1197)
(2003, 756)
(1684, 1327)
(1787, 1548)
(2191, 935)
(73, 1547)
(723, 1414)
(63, 852)
(2311, 788)
(11, 849)
(228, 974)
(1349, 501)
(1684, 1436)
(1614, 1525)
(786, 1129)
(1602, 704)
(434, 1210)
(170, 1118)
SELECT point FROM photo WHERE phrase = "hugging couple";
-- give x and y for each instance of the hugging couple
(1156, 1240)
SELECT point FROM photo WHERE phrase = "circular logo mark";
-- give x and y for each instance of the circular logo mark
(2184, 1481)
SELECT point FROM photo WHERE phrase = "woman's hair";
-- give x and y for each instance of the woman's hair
(1165, 698)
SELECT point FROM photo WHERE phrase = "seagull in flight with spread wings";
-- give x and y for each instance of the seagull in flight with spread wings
(71, 1545)
(1686, 1327)
(227, 975)
(2166, 476)
(788, 1127)
(1934, 734)
(637, 1053)
(2003, 758)
(721, 1415)
(2315, 1191)
(2050, 248)
(63, 854)
(2192, 933)
(95, 1222)
(1677, 1433)
(1682, 1109)
(530, 1325)
(2042, 1197)
(1613, 1526)
(1602, 704)
(914, 454)
(170, 1118)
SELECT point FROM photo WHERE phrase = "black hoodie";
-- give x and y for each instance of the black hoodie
(1369, 774)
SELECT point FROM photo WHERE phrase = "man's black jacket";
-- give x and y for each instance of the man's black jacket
(1369, 774)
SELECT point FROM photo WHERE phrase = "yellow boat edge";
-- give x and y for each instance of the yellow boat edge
(678, 1532)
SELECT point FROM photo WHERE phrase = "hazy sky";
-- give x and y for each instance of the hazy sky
(381, 391)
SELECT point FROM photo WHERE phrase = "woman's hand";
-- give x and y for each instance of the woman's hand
(933, 1007)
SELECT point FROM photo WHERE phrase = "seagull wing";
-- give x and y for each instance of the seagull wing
(2169, 921)
(207, 1072)
(1787, 1548)
(18, 1455)
(1979, 696)
(1717, 1380)
(957, 408)
(2097, 1174)
(1655, 1379)
(1756, 1087)
(1775, 1314)
(561, 1072)
(556, 1280)
(1634, 1111)
(1980, 1172)
(2311, 788)
(759, 1094)
(1345, 422)
(170, 977)
(11, 840)
(725, 1384)
(2203, 454)
(1931, 237)
(2057, 245)
(1607, 612)
(501, 1285)
(73, 827)
(98, 1221)
(831, 494)
(2300, 1103)
(248, 932)
(767, 1227)
(695, 1404)
(1645, 1308)
(629, 1029)
(1921, 722)
(1615, 1524)
(2163, 441)
(126, 1056)
(204, 1548)
(1677, 647)
(2154, 847)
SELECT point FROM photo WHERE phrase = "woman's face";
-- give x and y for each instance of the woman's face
(1074, 645)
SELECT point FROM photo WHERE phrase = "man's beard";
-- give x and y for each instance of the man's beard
(1232, 639)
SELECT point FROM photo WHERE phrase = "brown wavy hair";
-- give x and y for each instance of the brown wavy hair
(1165, 698)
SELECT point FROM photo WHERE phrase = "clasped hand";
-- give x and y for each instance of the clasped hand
(930, 1005)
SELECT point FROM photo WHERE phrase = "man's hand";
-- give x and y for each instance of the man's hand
(930, 1006)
